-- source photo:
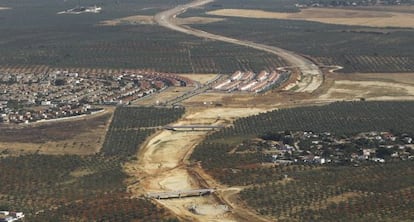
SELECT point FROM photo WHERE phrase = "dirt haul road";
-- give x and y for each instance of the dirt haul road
(311, 75)
(162, 165)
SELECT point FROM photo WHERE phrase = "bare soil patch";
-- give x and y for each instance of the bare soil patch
(375, 86)
(81, 172)
(163, 96)
(206, 209)
(224, 113)
(331, 16)
(341, 198)
(266, 100)
(201, 78)
(349, 90)
(167, 149)
(162, 164)
(210, 98)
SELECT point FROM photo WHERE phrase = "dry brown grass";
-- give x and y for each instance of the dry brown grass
(81, 136)
(331, 16)
(341, 198)
(197, 20)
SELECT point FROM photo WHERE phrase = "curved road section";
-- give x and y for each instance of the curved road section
(311, 75)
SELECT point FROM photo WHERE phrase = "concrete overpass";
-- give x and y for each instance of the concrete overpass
(180, 194)
(194, 127)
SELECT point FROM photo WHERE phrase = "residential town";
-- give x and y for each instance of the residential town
(324, 148)
(29, 97)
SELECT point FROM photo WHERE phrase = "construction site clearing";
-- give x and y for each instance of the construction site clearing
(252, 82)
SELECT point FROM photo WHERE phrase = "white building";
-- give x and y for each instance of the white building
(6, 216)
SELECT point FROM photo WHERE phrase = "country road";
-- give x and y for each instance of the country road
(311, 74)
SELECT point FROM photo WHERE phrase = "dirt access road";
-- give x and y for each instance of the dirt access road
(162, 165)
(311, 74)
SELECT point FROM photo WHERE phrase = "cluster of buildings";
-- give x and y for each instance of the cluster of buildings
(29, 97)
(47, 111)
(252, 82)
(323, 148)
(82, 9)
(6, 216)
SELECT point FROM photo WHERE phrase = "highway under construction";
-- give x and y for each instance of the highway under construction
(311, 74)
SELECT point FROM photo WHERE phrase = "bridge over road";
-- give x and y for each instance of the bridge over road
(194, 127)
(180, 193)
